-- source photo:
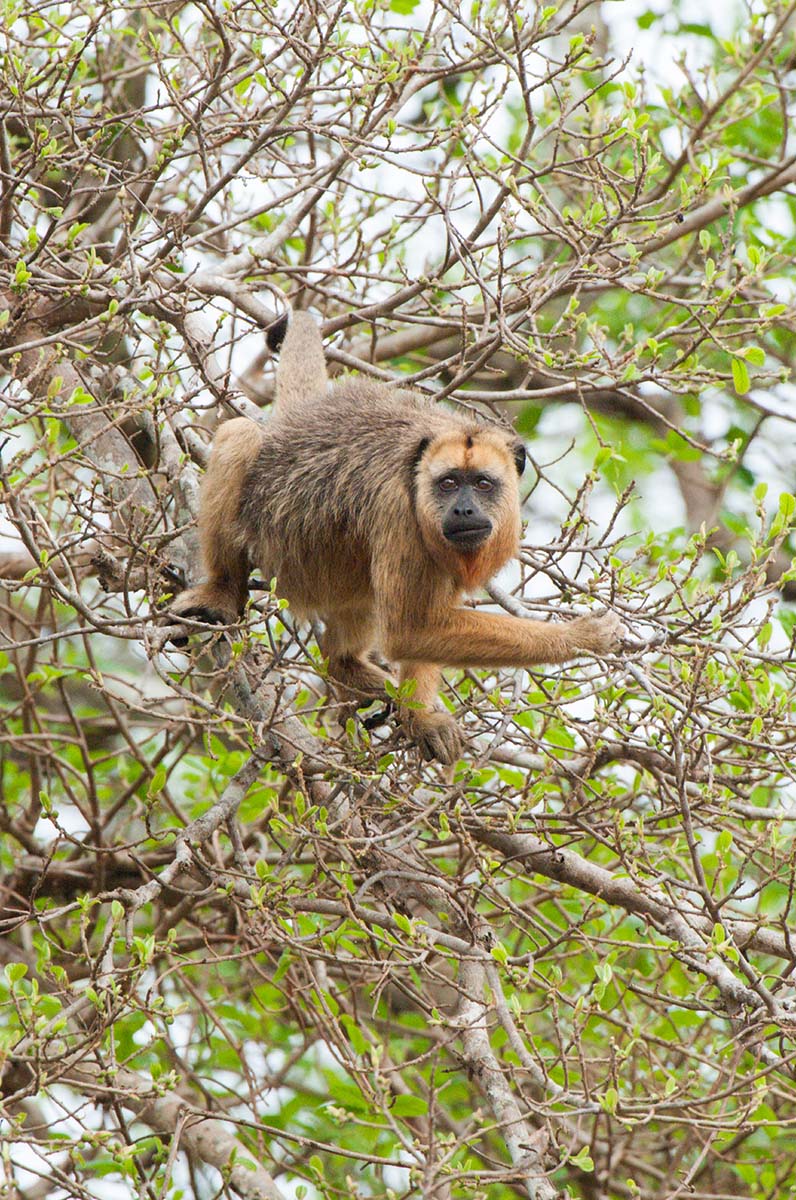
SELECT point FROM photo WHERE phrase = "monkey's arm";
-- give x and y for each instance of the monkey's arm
(225, 557)
(464, 638)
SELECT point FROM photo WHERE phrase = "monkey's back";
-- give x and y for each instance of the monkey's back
(333, 479)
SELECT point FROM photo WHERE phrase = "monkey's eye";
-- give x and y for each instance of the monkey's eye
(447, 484)
(484, 484)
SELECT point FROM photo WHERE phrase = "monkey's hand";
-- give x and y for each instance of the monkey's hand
(596, 635)
(204, 603)
(436, 735)
(357, 680)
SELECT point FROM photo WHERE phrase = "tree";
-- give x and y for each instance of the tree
(252, 947)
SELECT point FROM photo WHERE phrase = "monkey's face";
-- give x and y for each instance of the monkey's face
(467, 502)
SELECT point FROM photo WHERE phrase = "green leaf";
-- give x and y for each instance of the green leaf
(356, 1036)
(282, 967)
(740, 376)
(21, 275)
(409, 1106)
(157, 782)
(753, 354)
(582, 1160)
(724, 841)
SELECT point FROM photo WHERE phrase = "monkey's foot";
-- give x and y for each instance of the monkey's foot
(205, 603)
(597, 635)
(435, 734)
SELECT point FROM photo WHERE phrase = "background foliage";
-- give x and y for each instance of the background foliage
(250, 948)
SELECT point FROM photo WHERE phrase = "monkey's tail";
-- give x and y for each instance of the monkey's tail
(275, 334)
(301, 377)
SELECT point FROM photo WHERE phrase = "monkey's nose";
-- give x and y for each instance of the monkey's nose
(463, 510)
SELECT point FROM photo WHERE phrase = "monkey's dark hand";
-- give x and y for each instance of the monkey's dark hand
(203, 603)
(597, 635)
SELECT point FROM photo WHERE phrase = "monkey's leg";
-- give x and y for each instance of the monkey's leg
(225, 556)
(435, 731)
(463, 638)
(346, 642)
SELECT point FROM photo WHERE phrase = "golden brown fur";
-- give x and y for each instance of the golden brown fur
(376, 511)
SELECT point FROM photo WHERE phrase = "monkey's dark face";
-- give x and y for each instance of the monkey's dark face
(467, 500)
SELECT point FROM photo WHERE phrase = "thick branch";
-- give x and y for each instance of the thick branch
(204, 1138)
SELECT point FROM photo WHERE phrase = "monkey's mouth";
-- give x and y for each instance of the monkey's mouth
(468, 537)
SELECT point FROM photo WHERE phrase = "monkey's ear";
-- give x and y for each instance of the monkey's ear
(275, 334)
(420, 450)
(414, 463)
(518, 451)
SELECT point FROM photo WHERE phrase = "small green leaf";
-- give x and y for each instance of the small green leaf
(282, 967)
(409, 1106)
(21, 275)
(754, 355)
(582, 1160)
(158, 782)
(355, 1035)
(740, 376)
(723, 841)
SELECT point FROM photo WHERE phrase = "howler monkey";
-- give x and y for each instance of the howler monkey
(376, 511)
